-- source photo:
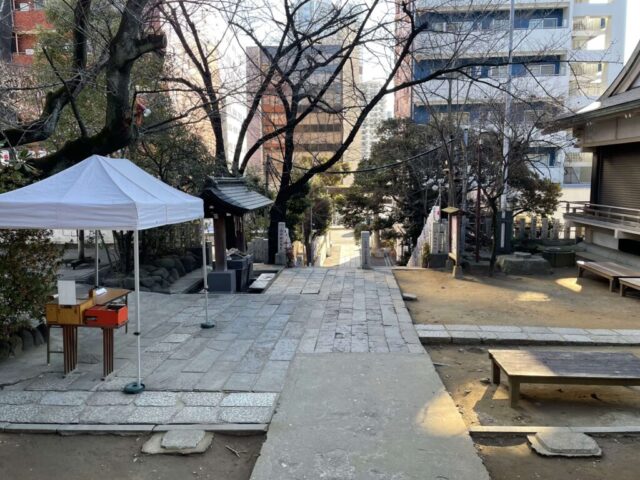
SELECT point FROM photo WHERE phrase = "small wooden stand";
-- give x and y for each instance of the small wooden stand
(70, 317)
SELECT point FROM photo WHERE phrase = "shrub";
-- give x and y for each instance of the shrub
(28, 266)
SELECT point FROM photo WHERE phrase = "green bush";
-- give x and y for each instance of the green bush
(28, 266)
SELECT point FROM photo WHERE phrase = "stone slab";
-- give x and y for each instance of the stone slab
(562, 443)
(153, 446)
(390, 417)
(182, 439)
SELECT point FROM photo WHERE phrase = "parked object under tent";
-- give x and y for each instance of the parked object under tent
(102, 193)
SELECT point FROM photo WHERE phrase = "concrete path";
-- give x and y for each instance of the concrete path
(370, 417)
(344, 253)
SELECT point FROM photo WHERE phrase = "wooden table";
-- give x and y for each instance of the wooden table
(610, 270)
(70, 331)
(569, 368)
(633, 283)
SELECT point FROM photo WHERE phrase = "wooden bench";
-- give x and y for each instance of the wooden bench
(610, 270)
(633, 283)
(569, 368)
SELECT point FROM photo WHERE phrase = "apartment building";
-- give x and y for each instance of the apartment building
(565, 51)
(20, 21)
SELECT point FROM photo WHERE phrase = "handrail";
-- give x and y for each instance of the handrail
(622, 215)
(604, 206)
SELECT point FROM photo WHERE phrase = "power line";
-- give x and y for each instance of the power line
(371, 169)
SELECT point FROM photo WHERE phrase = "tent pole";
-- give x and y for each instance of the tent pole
(205, 290)
(136, 387)
(97, 282)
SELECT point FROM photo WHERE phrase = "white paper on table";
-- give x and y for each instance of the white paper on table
(67, 292)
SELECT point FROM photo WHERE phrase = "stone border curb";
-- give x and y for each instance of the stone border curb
(513, 335)
(495, 431)
(74, 429)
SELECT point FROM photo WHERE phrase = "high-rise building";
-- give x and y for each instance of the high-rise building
(321, 133)
(377, 115)
(564, 51)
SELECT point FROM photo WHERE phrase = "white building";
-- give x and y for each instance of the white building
(374, 119)
(568, 50)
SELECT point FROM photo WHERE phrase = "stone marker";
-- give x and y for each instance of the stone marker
(559, 443)
(409, 296)
(178, 441)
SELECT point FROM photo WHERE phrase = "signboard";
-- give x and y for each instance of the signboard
(454, 229)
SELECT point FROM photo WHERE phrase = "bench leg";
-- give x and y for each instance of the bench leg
(580, 272)
(514, 392)
(495, 373)
(622, 288)
(611, 284)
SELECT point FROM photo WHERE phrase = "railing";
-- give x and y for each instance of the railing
(617, 216)
(543, 228)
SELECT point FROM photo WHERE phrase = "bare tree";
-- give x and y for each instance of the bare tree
(93, 54)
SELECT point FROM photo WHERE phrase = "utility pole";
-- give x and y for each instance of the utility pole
(478, 196)
(505, 215)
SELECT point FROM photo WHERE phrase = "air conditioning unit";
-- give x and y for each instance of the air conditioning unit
(24, 7)
(29, 51)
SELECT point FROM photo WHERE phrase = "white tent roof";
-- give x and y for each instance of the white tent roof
(98, 193)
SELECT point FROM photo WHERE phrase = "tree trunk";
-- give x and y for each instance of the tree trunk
(494, 237)
(81, 254)
(277, 214)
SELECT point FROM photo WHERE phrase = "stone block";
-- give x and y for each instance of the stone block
(517, 265)
(564, 443)
(245, 414)
(249, 400)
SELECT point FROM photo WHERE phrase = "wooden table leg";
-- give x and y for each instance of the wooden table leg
(514, 392)
(70, 347)
(495, 372)
(48, 344)
(107, 352)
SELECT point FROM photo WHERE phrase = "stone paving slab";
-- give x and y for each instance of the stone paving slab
(390, 417)
(248, 352)
(514, 335)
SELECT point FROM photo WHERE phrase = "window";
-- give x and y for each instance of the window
(500, 24)
(542, 69)
(543, 23)
(498, 71)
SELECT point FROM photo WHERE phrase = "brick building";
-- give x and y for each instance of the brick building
(20, 21)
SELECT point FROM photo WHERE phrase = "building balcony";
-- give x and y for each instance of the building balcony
(29, 21)
(457, 5)
(21, 59)
(491, 88)
(492, 43)
(623, 221)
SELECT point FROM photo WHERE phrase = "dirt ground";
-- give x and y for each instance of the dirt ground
(465, 372)
(511, 459)
(109, 457)
(557, 300)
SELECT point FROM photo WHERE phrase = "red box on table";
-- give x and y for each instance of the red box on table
(106, 316)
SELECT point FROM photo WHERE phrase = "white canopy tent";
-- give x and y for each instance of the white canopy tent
(104, 193)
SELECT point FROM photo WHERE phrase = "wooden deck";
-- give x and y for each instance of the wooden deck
(610, 270)
(572, 368)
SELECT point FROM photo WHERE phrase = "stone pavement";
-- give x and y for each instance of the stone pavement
(514, 335)
(367, 417)
(188, 371)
